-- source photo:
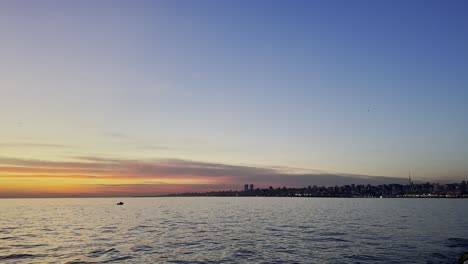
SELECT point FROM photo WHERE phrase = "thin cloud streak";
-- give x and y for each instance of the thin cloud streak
(153, 147)
(219, 173)
(116, 135)
(33, 145)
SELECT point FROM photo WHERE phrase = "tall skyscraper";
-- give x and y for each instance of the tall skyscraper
(246, 187)
(251, 187)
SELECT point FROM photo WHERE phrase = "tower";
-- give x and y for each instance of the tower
(246, 187)
(410, 182)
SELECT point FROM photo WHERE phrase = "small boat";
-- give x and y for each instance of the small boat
(120, 203)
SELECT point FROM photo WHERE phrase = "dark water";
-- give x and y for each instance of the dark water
(233, 230)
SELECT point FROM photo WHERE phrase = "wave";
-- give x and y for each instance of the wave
(18, 256)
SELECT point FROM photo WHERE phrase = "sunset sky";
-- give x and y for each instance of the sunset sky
(104, 98)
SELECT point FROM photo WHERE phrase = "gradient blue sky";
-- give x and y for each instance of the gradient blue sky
(359, 87)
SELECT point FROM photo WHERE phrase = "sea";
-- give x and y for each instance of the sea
(233, 230)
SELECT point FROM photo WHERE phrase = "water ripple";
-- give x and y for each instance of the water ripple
(233, 230)
(98, 253)
(18, 256)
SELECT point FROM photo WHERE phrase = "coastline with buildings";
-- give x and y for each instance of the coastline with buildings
(410, 190)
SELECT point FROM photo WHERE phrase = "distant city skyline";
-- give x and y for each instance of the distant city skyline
(138, 97)
(409, 190)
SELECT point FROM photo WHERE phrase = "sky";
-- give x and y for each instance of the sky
(104, 98)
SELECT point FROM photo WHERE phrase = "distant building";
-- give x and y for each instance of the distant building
(410, 181)
(251, 187)
(246, 187)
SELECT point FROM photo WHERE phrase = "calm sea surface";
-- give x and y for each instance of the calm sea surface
(233, 230)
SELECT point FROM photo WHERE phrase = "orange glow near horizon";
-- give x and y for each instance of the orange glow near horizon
(95, 176)
(26, 182)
